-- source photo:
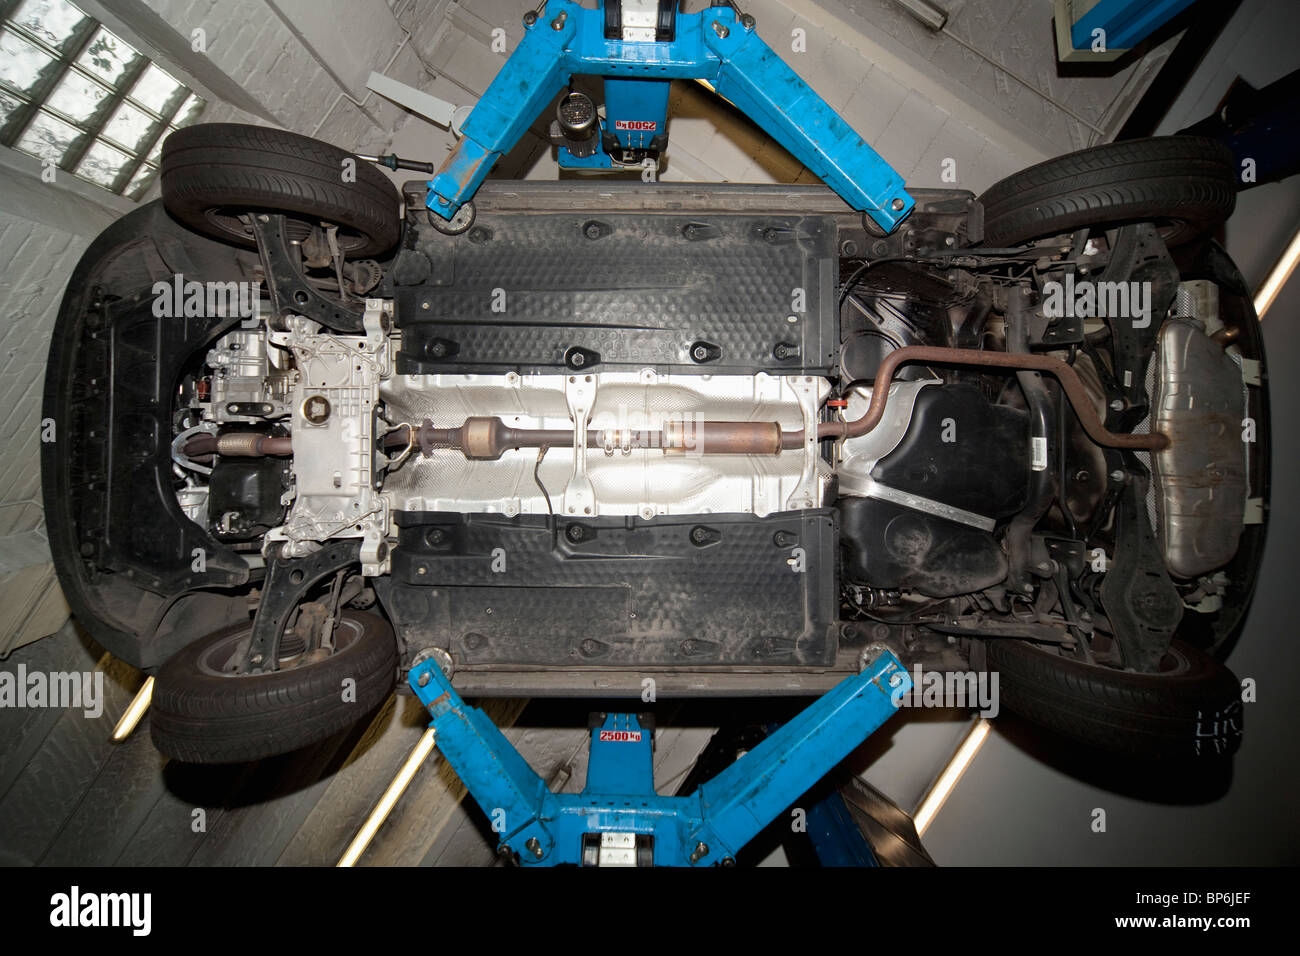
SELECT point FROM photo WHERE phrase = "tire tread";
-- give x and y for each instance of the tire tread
(1140, 715)
(230, 164)
(199, 718)
(1188, 179)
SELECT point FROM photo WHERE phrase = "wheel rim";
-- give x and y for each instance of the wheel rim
(1175, 663)
(218, 659)
(228, 221)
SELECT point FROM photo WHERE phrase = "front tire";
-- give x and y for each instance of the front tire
(202, 713)
(215, 172)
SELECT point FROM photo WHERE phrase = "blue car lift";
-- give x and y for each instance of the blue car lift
(1102, 30)
(718, 45)
(618, 819)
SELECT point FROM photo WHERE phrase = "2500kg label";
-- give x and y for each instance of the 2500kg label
(621, 736)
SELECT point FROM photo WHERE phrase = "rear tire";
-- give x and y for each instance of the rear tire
(201, 715)
(213, 172)
(1191, 711)
(1183, 183)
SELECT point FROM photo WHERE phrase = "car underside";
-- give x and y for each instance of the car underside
(725, 438)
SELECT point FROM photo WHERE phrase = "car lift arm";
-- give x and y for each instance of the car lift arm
(618, 819)
(716, 45)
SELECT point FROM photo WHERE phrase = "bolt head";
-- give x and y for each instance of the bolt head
(897, 205)
(721, 30)
(1117, 475)
(424, 679)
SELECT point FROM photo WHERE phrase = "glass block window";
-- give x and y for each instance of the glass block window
(73, 93)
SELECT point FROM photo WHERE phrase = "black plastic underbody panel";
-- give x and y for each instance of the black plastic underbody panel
(124, 551)
(530, 290)
(620, 592)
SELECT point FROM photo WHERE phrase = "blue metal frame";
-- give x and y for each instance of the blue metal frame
(637, 109)
(708, 827)
(712, 45)
(1126, 22)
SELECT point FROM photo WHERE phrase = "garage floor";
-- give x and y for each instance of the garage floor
(70, 796)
